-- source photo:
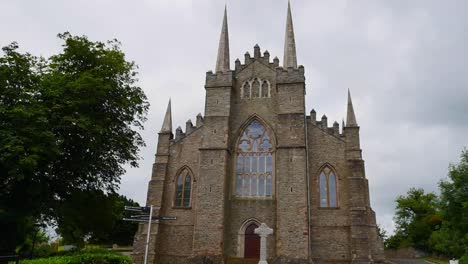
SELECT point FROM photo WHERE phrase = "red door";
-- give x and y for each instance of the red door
(252, 242)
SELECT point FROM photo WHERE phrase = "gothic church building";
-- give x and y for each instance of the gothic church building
(254, 157)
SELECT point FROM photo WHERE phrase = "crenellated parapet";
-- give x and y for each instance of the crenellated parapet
(219, 79)
(189, 129)
(290, 75)
(322, 124)
(265, 60)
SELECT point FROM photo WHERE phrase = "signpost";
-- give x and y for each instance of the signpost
(146, 218)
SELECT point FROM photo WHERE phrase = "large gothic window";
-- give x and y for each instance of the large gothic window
(183, 189)
(327, 182)
(254, 164)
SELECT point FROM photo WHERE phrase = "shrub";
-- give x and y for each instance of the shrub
(464, 258)
(83, 258)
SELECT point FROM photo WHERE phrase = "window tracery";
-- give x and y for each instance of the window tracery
(183, 189)
(327, 188)
(254, 164)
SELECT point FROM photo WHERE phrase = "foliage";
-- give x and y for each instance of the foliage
(454, 207)
(416, 218)
(83, 258)
(96, 216)
(437, 225)
(66, 124)
(464, 258)
(397, 240)
(40, 240)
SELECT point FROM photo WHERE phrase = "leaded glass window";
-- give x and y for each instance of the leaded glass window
(254, 164)
(183, 189)
(327, 188)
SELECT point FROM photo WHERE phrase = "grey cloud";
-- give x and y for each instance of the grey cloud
(404, 61)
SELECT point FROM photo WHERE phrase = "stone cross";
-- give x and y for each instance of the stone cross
(263, 231)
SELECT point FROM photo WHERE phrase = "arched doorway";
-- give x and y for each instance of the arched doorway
(251, 242)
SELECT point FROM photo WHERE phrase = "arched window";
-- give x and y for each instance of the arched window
(327, 183)
(183, 189)
(254, 164)
(246, 90)
(255, 88)
(265, 89)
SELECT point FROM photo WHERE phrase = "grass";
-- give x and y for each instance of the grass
(83, 257)
(436, 260)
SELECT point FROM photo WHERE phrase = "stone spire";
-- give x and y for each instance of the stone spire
(222, 62)
(289, 59)
(167, 124)
(350, 117)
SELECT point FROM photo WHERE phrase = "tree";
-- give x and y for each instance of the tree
(452, 239)
(96, 217)
(67, 124)
(416, 218)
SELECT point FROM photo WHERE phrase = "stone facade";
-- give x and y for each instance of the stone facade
(212, 217)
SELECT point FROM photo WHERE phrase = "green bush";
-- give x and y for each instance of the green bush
(464, 259)
(83, 258)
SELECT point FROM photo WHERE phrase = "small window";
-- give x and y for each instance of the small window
(246, 90)
(255, 88)
(327, 188)
(183, 189)
(265, 89)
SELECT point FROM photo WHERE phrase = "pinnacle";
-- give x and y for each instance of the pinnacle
(222, 62)
(350, 117)
(167, 123)
(290, 59)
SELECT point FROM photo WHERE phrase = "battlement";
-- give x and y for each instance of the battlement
(265, 59)
(189, 128)
(218, 79)
(290, 75)
(323, 124)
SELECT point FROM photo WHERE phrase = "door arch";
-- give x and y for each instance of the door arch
(251, 242)
(241, 235)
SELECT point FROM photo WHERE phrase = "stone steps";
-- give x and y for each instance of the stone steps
(232, 260)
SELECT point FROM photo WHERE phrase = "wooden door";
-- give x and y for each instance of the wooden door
(252, 242)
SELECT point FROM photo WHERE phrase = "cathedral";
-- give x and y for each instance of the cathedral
(256, 156)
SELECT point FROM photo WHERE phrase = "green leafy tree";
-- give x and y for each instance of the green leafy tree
(416, 218)
(452, 239)
(123, 231)
(96, 217)
(67, 123)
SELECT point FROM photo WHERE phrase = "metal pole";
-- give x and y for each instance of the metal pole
(148, 235)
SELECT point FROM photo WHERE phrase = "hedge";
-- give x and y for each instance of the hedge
(83, 258)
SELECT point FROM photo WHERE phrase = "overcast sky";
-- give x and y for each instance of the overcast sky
(404, 61)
